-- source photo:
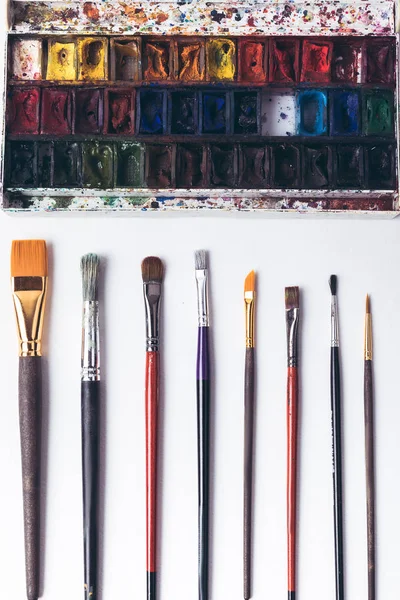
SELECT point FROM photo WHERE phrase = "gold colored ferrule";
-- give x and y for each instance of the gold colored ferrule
(249, 302)
(29, 295)
(368, 337)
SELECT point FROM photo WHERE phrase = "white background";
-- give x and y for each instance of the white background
(285, 251)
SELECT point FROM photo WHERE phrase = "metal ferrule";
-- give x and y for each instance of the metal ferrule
(368, 337)
(292, 327)
(334, 323)
(152, 297)
(202, 297)
(29, 295)
(90, 341)
(249, 301)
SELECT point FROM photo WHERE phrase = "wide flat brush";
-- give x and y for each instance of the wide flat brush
(292, 325)
(369, 449)
(152, 274)
(336, 409)
(249, 384)
(90, 414)
(29, 288)
(203, 418)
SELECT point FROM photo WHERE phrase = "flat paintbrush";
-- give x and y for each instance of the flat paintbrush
(152, 274)
(336, 409)
(369, 449)
(249, 384)
(292, 326)
(29, 288)
(203, 418)
(90, 408)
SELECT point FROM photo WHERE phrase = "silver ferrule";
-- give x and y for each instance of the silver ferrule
(202, 297)
(152, 297)
(334, 323)
(292, 326)
(90, 342)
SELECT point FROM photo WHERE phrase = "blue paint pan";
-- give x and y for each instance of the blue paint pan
(311, 112)
(345, 113)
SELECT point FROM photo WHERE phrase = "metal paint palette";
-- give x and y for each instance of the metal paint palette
(273, 107)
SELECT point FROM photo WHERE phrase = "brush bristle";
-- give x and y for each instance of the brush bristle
(250, 282)
(29, 258)
(333, 284)
(292, 297)
(200, 260)
(152, 270)
(90, 276)
(367, 305)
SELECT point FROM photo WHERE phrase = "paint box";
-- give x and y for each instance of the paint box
(251, 107)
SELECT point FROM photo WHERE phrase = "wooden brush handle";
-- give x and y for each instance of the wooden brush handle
(151, 399)
(90, 398)
(30, 421)
(292, 402)
(248, 470)
(369, 465)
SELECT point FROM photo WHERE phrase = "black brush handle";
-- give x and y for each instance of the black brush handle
(337, 470)
(203, 454)
(203, 440)
(248, 470)
(30, 421)
(370, 477)
(90, 478)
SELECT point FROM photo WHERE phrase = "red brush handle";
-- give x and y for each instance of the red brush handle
(151, 395)
(292, 400)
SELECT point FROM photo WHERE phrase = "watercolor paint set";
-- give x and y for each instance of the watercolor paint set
(113, 106)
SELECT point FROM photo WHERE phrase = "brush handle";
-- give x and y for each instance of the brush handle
(151, 400)
(203, 454)
(30, 422)
(248, 469)
(292, 405)
(369, 465)
(90, 398)
(337, 470)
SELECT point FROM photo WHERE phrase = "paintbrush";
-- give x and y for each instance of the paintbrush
(203, 418)
(29, 288)
(90, 405)
(336, 441)
(152, 274)
(292, 304)
(249, 383)
(369, 449)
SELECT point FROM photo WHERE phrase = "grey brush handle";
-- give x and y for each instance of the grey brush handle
(248, 470)
(370, 478)
(30, 392)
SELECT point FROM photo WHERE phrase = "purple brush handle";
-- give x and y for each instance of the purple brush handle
(203, 456)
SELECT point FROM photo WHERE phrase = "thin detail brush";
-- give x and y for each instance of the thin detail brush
(336, 409)
(249, 399)
(29, 273)
(152, 274)
(90, 402)
(203, 418)
(292, 298)
(369, 448)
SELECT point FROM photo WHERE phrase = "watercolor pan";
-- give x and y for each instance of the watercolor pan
(109, 108)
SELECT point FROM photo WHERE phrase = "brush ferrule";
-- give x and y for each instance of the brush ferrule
(249, 303)
(202, 297)
(152, 297)
(334, 323)
(29, 295)
(90, 365)
(368, 337)
(292, 327)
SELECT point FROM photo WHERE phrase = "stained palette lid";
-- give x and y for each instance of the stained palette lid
(238, 17)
